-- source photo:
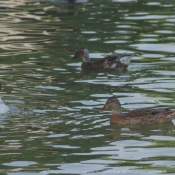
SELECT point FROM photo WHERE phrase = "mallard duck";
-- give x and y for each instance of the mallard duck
(137, 116)
(3, 107)
(114, 62)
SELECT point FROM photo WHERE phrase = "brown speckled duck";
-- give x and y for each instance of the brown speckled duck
(114, 62)
(137, 116)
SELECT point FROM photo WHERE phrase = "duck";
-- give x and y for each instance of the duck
(3, 108)
(113, 62)
(138, 116)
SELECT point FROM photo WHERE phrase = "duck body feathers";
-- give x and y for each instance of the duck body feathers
(3, 107)
(144, 116)
(107, 63)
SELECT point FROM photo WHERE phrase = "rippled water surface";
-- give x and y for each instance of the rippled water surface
(53, 125)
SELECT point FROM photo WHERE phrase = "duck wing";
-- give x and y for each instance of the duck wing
(113, 62)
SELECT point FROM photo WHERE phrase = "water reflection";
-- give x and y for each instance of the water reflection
(155, 47)
(53, 125)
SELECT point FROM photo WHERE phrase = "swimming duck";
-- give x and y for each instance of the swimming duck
(113, 62)
(137, 116)
(3, 107)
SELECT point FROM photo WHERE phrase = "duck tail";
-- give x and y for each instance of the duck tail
(173, 114)
(126, 59)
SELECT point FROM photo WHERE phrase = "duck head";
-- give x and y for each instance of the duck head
(112, 103)
(83, 54)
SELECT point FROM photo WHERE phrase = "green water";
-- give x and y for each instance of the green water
(53, 126)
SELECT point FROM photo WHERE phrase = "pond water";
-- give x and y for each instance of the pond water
(53, 126)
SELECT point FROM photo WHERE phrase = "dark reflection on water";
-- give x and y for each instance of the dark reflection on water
(53, 125)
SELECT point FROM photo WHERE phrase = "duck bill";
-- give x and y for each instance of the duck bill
(74, 57)
(105, 107)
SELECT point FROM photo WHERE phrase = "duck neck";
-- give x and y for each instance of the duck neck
(117, 111)
(115, 117)
(86, 56)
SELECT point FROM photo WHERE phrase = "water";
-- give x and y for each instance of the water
(53, 126)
